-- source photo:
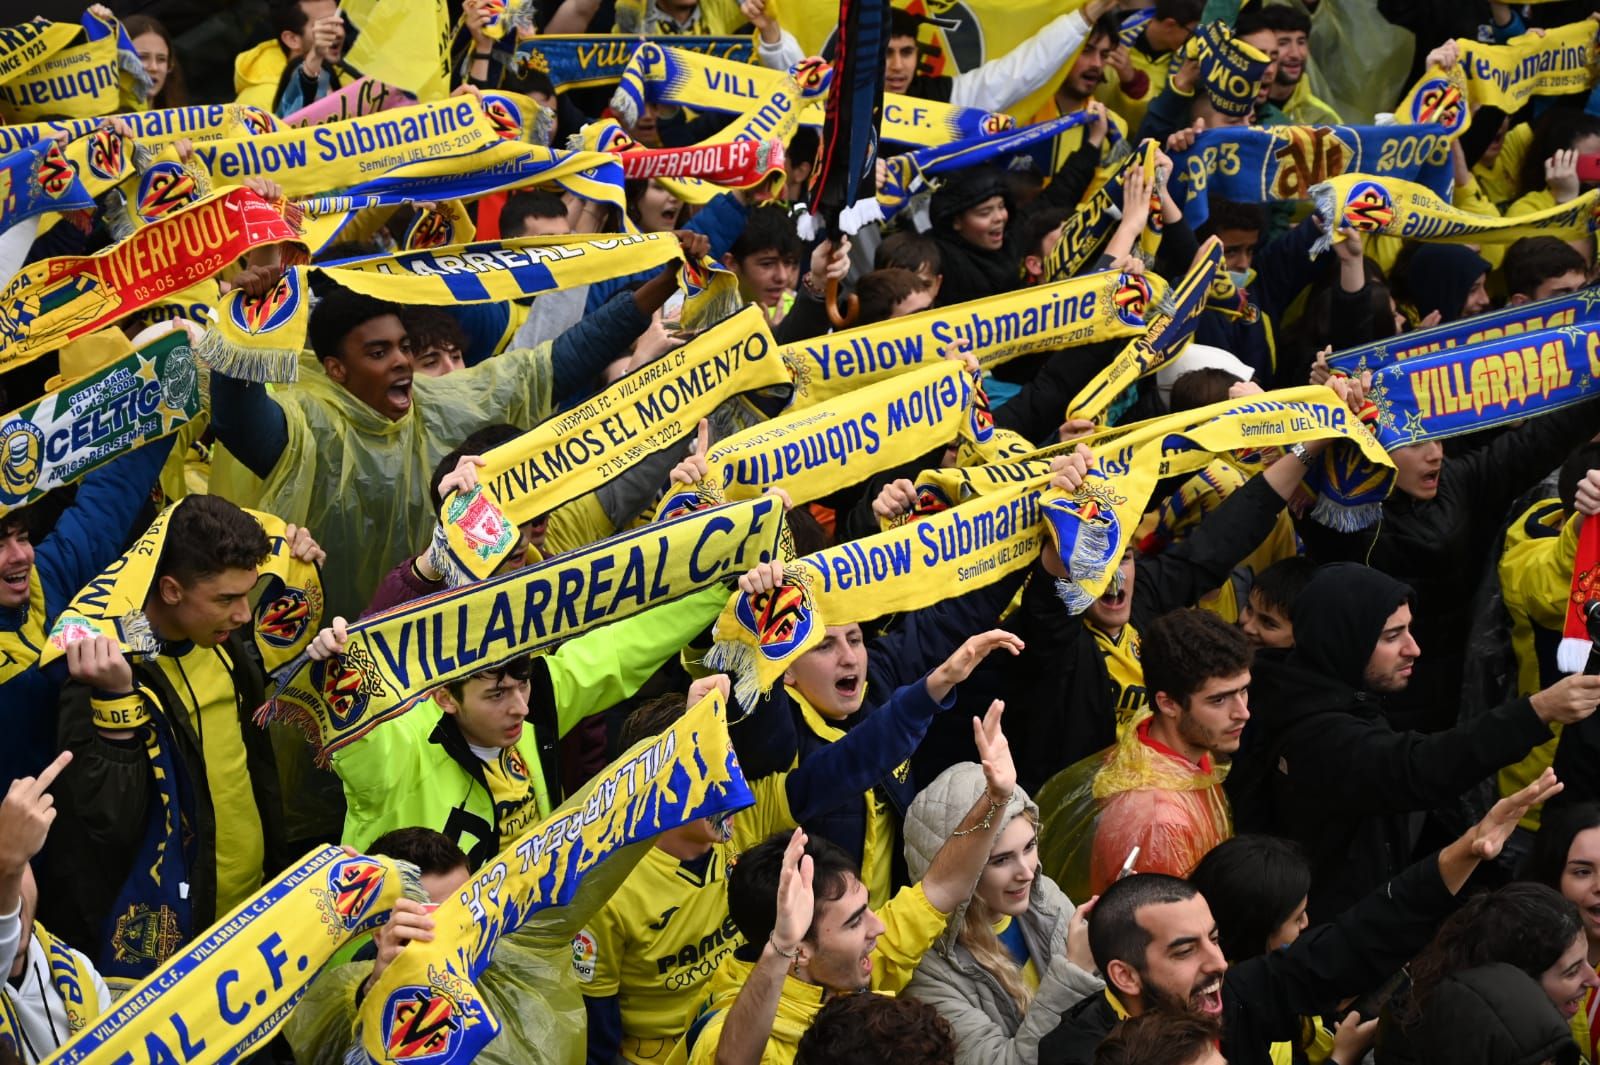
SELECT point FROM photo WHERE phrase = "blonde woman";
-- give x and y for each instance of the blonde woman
(1016, 956)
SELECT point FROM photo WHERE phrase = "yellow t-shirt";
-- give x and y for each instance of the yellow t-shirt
(518, 795)
(203, 681)
(1121, 654)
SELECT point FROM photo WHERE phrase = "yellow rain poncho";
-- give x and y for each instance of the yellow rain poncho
(1136, 793)
(359, 481)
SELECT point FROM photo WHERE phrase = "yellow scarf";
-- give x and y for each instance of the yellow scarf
(287, 614)
(1080, 310)
(20, 649)
(396, 657)
(1504, 76)
(235, 984)
(1083, 235)
(1394, 208)
(78, 81)
(581, 449)
(426, 1004)
(26, 45)
(1166, 335)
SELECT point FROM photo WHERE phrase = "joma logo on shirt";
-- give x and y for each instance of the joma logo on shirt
(691, 953)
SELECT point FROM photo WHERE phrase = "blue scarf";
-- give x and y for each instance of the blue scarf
(36, 180)
(1247, 164)
(842, 186)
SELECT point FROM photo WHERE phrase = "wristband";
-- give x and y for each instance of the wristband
(116, 712)
(791, 955)
(483, 55)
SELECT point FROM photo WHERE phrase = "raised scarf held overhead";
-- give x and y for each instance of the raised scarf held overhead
(1080, 310)
(580, 62)
(56, 300)
(287, 596)
(581, 449)
(1577, 644)
(695, 173)
(395, 657)
(946, 555)
(235, 984)
(38, 179)
(66, 434)
(1230, 69)
(1091, 225)
(664, 75)
(1504, 76)
(1394, 208)
(1282, 163)
(843, 187)
(99, 76)
(1581, 307)
(1170, 328)
(1491, 382)
(27, 44)
(425, 1006)
(151, 128)
(364, 96)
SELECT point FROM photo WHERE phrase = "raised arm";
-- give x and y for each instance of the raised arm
(953, 874)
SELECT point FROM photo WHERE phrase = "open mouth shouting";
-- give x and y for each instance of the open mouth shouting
(848, 687)
(1207, 998)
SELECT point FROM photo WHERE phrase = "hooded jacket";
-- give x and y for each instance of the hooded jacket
(1493, 1015)
(257, 73)
(1324, 766)
(971, 272)
(988, 1026)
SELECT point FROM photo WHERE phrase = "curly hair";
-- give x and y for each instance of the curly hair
(865, 1028)
(1185, 648)
(208, 535)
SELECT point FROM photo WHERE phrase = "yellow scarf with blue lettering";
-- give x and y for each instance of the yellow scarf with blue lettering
(1391, 207)
(73, 978)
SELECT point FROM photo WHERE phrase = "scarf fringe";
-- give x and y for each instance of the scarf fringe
(1324, 203)
(1075, 599)
(261, 365)
(130, 65)
(1345, 517)
(1573, 654)
(738, 660)
(860, 214)
(623, 107)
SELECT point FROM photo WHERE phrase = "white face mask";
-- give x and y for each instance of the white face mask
(1241, 279)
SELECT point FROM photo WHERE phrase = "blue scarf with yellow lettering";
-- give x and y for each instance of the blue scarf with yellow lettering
(582, 62)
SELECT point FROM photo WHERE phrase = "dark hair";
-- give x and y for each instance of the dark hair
(1183, 649)
(804, 146)
(881, 290)
(1182, 12)
(348, 249)
(1114, 930)
(769, 226)
(753, 886)
(1573, 470)
(288, 16)
(485, 439)
(427, 325)
(903, 23)
(174, 93)
(808, 533)
(337, 313)
(1252, 21)
(909, 250)
(1531, 261)
(1253, 884)
(1107, 27)
(525, 205)
(1523, 924)
(1200, 388)
(1281, 583)
(1556, 130)
(519, 668)
(433, 853)
(1558, 827)
(1038, 225)
(1280, 17)
(1228, 214)
(865, 1029)
(1159, 1037)
(207, 535)
(652, 718)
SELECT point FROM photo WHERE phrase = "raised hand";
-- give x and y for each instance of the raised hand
(26, 815)
(329, 642)
(994, 751)
(302, 547)
(959, 666)
(796, 903)
(694, 469)
(1067, 472)
(898, 497)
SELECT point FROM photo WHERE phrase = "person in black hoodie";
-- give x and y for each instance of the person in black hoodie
(1155, 940)
(1495, 1015)
(1326, 768)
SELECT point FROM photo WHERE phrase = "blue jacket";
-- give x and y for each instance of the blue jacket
(721, 220)
(87, 538)
(1284, 268)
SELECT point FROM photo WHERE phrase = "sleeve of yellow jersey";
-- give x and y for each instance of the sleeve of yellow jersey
(910, 926)
(597, 954)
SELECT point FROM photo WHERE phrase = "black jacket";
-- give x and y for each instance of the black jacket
(1059, 698)
(1325, 767)
(106, 794)
(1264, 998)
(1493, 1015)
(1438, 546)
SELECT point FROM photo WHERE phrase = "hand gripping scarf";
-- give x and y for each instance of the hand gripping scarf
(663, 75)
(1396, 208)
(364, 96)
(1230, 69)
(581, 449)
(1171, 326)
(1080, 310)
(99, 76)
(725, 164)
(582, 62)
(39, 179)
(1581, 307)
(56, 300)
(234, 986)
(943, 556)
(27, 44)
(1091, 225)
(1504, 76)
(1479, 385)
(426, 1005)
(66, 434)
(152, 128)
(1283, 163)
(395, 657)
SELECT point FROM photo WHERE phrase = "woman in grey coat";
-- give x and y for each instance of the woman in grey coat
(1016, 957)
